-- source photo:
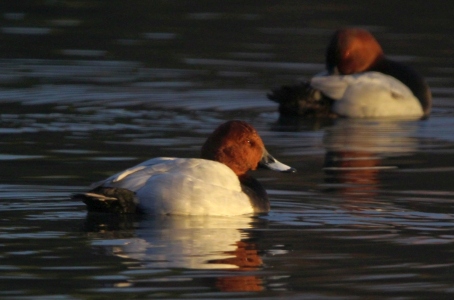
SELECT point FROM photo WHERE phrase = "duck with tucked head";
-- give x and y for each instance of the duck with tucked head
(359, 82)
(215, 184)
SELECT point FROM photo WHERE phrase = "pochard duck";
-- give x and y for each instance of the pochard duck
(215, 184)
(359, 82)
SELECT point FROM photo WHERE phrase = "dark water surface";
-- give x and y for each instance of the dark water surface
(88, 88)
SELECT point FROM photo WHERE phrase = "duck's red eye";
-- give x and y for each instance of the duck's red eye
(249, 142)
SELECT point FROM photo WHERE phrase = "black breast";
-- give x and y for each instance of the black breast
(256, 192)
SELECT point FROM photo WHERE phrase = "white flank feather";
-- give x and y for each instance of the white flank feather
(370, 94)
(184, 186)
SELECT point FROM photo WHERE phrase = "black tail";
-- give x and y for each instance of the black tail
(109, 200)
(302, 100)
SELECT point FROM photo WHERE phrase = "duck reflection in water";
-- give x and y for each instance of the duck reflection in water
(356, 170)
(356, 153)
(188, 242)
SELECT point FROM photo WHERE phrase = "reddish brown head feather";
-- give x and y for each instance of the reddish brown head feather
(235, 144)
(353, 50)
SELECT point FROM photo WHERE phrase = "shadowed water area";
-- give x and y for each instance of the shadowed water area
(89, 88)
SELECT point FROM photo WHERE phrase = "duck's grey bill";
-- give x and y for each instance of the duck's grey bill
(271, 163)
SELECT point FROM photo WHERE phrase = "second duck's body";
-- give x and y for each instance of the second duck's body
(359, 82)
